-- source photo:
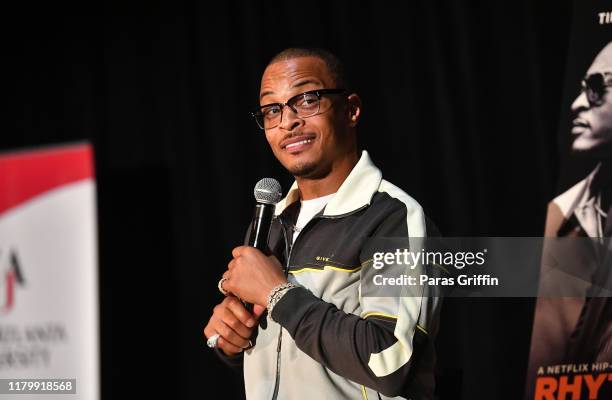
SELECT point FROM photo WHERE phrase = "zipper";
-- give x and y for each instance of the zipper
(289, 250)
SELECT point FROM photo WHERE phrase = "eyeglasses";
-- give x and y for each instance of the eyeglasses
(304, 105)
(595, 85)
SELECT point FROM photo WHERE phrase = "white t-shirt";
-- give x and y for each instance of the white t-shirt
(308, 209)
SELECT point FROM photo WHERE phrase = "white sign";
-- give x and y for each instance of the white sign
(48, 269)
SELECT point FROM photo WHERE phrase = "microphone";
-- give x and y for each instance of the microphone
(267, 193)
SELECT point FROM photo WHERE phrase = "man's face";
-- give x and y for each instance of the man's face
(323, 137)
(592, 126)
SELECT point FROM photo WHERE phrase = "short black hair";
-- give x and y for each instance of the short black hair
(333, 63)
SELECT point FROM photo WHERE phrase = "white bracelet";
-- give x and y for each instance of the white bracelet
(277, 293)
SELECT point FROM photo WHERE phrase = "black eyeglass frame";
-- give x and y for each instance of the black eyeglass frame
(289, 103)
(594, 90)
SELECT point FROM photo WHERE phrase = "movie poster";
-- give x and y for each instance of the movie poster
(571, 345)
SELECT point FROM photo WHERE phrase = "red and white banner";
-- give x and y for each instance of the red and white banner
(48, 267)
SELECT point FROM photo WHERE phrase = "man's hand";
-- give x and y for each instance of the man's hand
(233, 323)
(251, 275)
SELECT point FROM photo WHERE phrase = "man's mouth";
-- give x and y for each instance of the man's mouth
(579, 125)
(297, 144)
(580, 122)
(292, 145)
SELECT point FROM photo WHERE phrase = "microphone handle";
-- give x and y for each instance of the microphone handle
(260, 230)
(260, 227)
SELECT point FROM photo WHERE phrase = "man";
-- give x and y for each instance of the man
(578, 328)
(582, 210)
(319, 338)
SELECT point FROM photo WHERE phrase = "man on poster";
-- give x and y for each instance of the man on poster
(576, 328)
(583, 210)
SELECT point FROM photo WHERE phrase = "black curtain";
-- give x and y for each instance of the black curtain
(461, 102)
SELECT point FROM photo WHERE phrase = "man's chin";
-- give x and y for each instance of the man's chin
(308, 169)
(591, 149)
(302, 169)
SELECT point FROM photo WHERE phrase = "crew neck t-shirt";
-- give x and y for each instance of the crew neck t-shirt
(308, 209)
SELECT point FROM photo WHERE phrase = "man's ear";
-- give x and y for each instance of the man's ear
(353, 109)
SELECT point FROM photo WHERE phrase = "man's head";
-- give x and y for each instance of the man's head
(313, 132)
(592, 109)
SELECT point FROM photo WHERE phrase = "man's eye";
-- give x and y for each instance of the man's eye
(270, 112)
(307, 101)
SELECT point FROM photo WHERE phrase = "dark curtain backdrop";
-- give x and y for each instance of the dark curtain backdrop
(461, 103)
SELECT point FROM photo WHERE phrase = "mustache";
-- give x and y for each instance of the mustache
(294, 134)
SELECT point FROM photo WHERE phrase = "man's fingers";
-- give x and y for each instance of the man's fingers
(208, 331)
(258, 310)
(233, 334)
(237, 251)
(230, 335)
(240, 312)
(227, 347)
(235, 324)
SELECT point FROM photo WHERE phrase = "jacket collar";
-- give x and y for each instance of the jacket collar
(581, 202)
(355, 192)
(577, 196)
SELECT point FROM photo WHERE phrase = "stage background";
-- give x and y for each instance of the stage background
(461, 109)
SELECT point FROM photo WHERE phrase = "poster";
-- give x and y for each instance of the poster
(571, 345)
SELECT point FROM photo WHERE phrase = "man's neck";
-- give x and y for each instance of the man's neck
(314, 188)
(605, 170)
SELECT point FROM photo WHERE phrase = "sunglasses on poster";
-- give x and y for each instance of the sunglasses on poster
(594, 86)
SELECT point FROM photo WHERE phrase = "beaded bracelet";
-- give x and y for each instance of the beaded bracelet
(277, 293)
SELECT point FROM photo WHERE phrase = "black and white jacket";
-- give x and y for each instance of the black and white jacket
(324, 340)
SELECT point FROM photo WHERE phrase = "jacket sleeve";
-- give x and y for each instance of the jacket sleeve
(234, 362)
(345, 342)
(378, 349)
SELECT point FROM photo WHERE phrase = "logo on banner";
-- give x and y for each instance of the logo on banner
(11, 277)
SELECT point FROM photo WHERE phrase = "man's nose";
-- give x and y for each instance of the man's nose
(290, 119)
(581, 103)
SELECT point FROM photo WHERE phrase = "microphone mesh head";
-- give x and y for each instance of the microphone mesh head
(268, 190)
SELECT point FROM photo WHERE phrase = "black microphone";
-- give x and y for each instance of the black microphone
(267, 193)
